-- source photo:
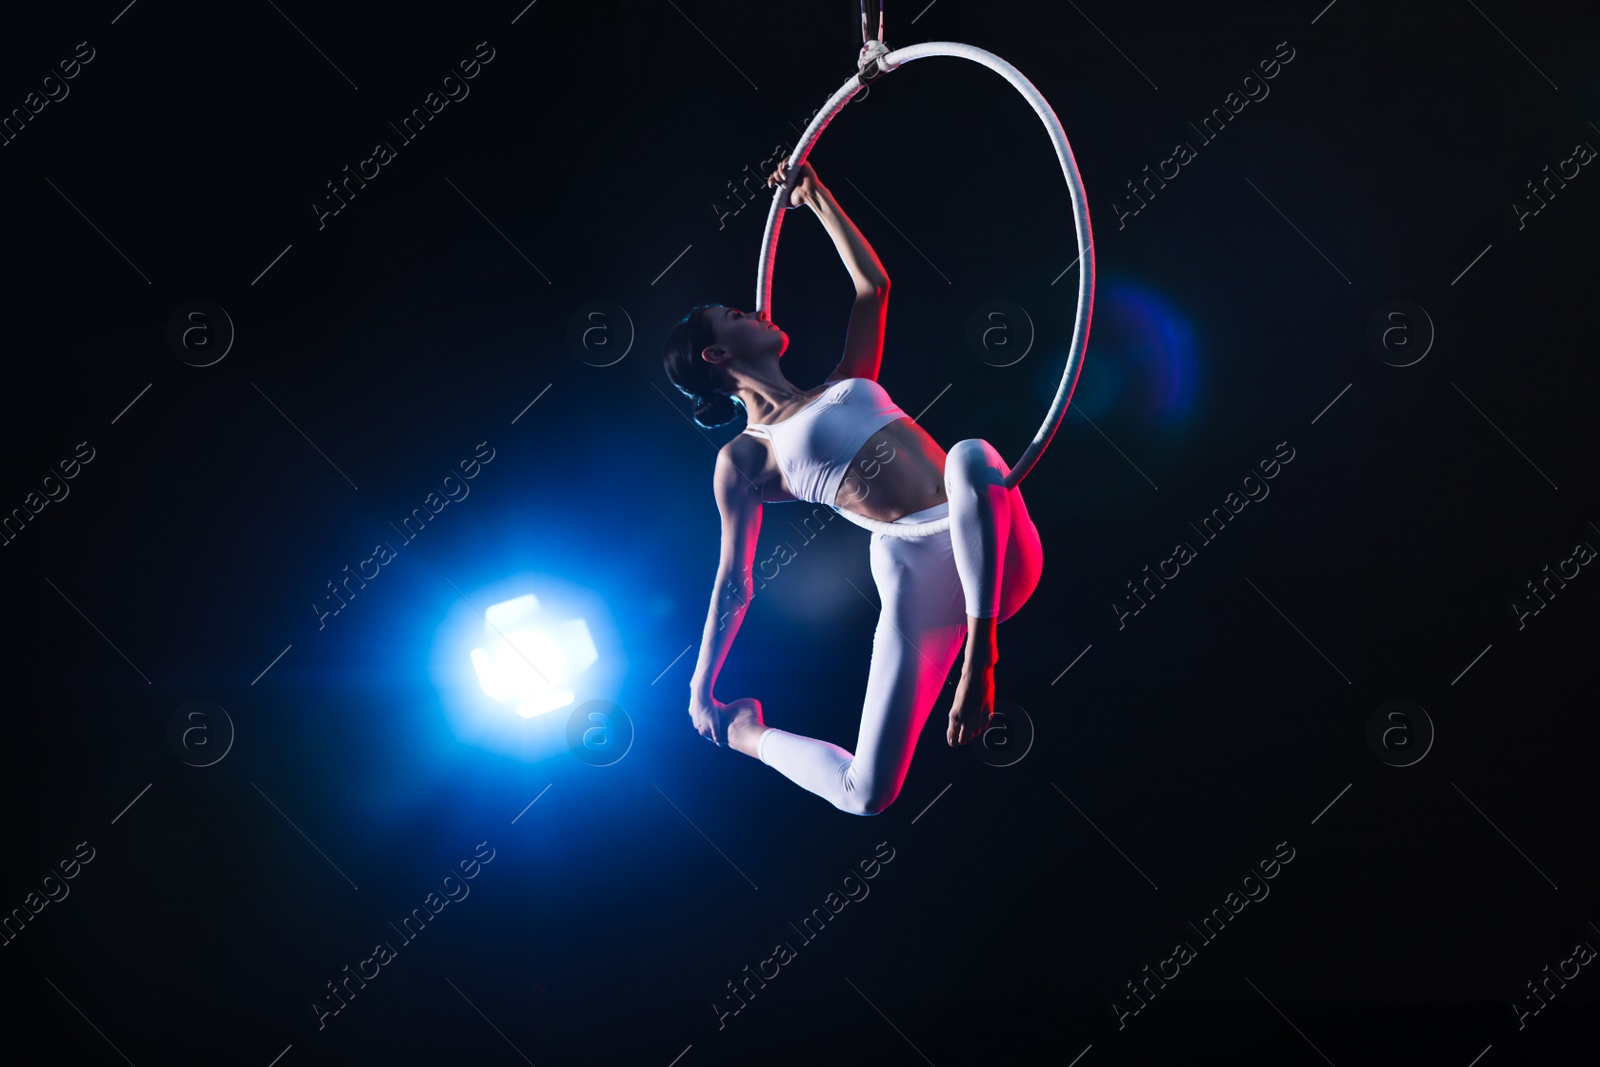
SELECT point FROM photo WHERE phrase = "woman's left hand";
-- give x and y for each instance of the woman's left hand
(973, 706)
(805, 186)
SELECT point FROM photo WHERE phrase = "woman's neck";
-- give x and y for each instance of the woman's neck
(767, 394)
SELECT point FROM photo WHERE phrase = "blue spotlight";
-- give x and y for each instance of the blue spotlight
(515, 660)
(1144, 358)
(530, 660)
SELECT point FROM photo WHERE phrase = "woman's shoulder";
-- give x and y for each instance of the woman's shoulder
(850, 386)
(867, 391)
(854, 383)
(745, 448)
(752, 458)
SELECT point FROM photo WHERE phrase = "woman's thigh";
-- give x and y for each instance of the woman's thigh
(921, 625)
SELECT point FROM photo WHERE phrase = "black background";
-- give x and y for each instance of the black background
(593, 149)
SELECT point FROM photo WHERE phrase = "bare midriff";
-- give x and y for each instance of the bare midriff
(898, 471)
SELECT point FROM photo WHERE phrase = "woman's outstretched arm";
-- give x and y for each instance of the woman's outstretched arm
(858, 256)
(739, 500)
(863, 342)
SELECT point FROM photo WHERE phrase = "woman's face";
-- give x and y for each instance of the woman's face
(746, 333)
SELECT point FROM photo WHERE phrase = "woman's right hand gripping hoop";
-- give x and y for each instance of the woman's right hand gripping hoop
(800, 184)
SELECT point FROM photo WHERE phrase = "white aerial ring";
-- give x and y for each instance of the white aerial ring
(875, 56)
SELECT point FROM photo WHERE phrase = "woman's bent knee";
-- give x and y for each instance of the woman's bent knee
(864, 805)
(871, 800)
(975, 451)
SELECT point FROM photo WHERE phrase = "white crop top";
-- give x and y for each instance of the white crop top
(815, 445)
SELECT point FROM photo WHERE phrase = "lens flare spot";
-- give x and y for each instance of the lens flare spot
(527, 661)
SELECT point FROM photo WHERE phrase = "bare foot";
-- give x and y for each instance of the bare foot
(973, 706)
(744, 726)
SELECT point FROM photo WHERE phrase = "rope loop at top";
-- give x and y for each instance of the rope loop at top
(870, 64)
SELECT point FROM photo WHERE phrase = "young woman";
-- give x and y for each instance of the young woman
(816, 445)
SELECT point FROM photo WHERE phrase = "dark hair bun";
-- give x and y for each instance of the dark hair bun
(715, 410)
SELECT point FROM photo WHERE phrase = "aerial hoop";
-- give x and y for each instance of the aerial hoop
(875, 61)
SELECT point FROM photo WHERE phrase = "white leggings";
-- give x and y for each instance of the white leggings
(986, 565)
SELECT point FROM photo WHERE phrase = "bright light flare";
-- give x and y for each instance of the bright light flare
(529, 660)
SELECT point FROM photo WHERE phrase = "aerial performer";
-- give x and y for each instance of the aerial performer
(953, 552)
